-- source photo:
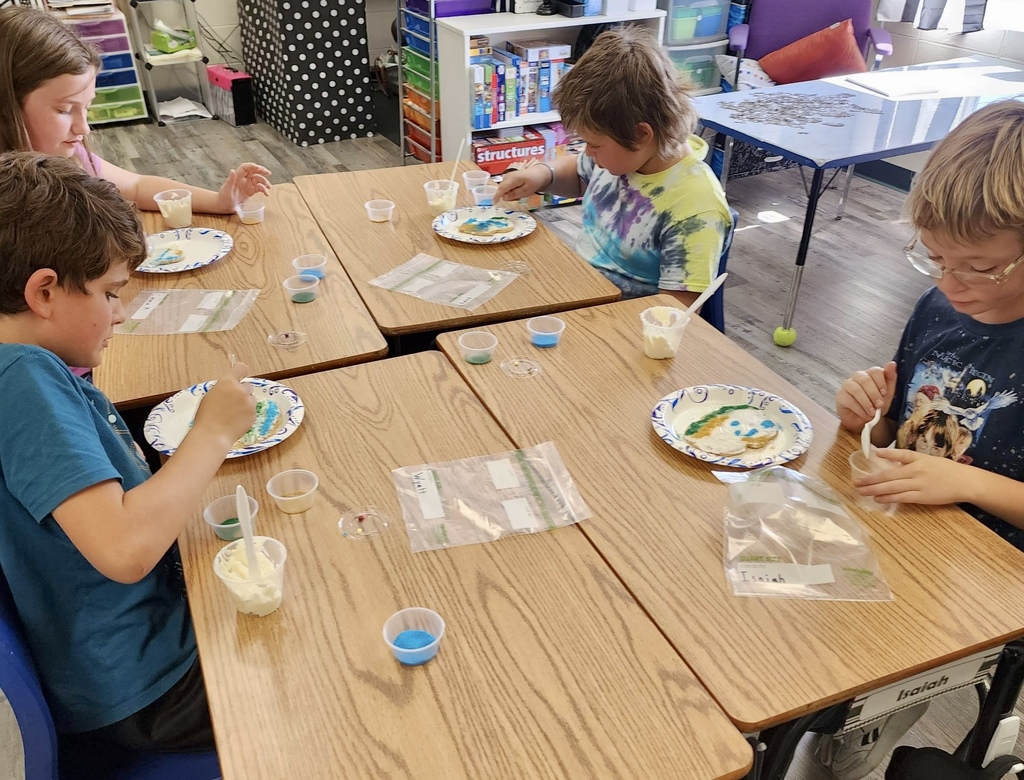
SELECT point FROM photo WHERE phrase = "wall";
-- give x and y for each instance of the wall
(912, 46)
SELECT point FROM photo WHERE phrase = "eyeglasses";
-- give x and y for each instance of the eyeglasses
(929, 267)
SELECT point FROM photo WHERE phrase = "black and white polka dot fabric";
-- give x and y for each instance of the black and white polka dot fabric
(310, 67)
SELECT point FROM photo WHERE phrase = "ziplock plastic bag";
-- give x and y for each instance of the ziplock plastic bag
(156, 312)
(787, 535)
(444, 282)
(485, 498)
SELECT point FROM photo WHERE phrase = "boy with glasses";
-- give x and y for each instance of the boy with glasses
(953, 397)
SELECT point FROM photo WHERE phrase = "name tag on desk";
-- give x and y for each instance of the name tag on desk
(921, 687)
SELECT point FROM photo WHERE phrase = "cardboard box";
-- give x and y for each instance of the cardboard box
(615, 7)
(495, 154)
(231, 95)
(535, 51)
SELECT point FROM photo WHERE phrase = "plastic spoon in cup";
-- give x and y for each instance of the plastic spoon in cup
(865, 435)
(244, 520)
(702, 299)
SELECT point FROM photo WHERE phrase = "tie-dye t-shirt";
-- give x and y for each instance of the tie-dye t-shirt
(656, 231)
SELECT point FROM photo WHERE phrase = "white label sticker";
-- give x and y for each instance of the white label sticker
(211, 300)
(417, 284)
(471, 294)
(785, 573)
(425, 485)
(193, 323)
(444, 269)
(503, 474)
(519, 514)
(151, 303)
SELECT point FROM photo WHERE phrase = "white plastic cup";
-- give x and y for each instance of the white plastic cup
(251, 211)
(294, 490)
(258, 595)
(311, 265)
(405, 634)
(483, 194)
(861, 466)
(302, 288)
(478, 346)
(379, 210)
(475, 178)
(221, 515)
(441, 195)
(663, 328)
(546, 331)
(176, 207)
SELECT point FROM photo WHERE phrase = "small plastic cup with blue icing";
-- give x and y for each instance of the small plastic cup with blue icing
(311, 265)
(546, 331)
(414, 635)
(483, 195)
(221, 516)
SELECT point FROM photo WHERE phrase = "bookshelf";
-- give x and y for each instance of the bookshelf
(453, 35)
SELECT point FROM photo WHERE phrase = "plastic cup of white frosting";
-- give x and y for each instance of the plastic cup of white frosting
(663, 331)
(253, 593)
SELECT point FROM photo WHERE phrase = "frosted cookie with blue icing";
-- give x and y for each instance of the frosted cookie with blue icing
(165, 255)
(486, 227)
(268, 414)
(731, 430)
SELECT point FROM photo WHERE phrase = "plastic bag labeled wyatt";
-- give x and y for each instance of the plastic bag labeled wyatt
(787, 535)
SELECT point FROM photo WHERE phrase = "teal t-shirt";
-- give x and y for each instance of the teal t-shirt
(658, 231)
(103, 650)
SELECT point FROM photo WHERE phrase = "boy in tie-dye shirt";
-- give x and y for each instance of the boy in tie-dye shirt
(654, 215)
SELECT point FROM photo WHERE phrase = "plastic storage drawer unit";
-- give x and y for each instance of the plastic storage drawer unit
(116, 61)
(693, 21)
(697, 63)
(115, 78)
(451, 7)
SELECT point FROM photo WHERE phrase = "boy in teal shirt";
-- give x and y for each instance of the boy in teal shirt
(87, 534)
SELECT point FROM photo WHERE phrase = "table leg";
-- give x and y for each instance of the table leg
(846, 192)
(999, 703)
(726, 161)
(786, 335)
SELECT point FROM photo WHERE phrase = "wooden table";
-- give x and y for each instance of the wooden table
(558, 280)
(140, 370)
(548, 667)
(659, 518)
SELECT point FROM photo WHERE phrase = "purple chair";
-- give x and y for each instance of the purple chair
(772, 24)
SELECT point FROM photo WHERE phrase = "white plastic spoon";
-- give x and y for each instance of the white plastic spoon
(865, 435)
(704, 296)
(244, 520)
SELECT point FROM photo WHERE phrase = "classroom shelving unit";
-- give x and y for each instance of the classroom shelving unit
(418, 93)
(456, 88)
(193, 59)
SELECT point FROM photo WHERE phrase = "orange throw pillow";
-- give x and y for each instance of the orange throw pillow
(829, 52)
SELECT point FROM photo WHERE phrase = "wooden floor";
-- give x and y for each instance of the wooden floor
(858, 289)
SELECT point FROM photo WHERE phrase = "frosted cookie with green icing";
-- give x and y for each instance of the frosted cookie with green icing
(731, 430)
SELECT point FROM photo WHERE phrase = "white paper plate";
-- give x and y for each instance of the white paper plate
(201, 246)
(171, 419)
(676, 411)
(447, 224)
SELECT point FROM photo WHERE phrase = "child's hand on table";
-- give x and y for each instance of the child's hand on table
(916, 478)
(864, 392)
(242, 183)
(228, 410)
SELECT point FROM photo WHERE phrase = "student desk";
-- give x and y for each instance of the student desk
(141, 370)
(548, 667)
(834, 123)
(558, 279)
(659, 524)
